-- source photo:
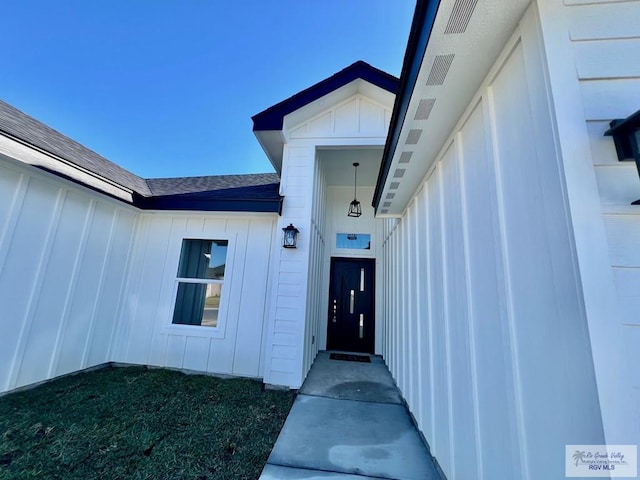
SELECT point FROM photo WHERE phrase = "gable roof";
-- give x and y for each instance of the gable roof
(270, 126)
(272, 118)
(75, 162)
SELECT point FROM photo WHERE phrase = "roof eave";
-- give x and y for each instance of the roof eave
(207, 204)
(271, 142)
(421, 27)
(24, 152)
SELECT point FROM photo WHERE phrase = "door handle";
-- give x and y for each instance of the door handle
(335, 311)
(352, 300)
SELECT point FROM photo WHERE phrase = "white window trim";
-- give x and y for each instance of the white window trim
(354, 252)
(200, 330)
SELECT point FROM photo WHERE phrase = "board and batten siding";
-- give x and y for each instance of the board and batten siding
(316, 292)
(481, 269)
(294, 324)
(592, 49)
(146, 334)
(63, 261)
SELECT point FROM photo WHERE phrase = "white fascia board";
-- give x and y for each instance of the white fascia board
(30, 155)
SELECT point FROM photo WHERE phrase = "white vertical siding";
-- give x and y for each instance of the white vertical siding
(316, 276)
(461, 384)
(487, 313)
(63, 256)
(501, 305)
(424, 415)
(403, 314)
(592, 50)
(441, 368)
(414, 312)
(147, 335)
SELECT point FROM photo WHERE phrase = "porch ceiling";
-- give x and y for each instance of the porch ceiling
(447, 59)
(337, 164)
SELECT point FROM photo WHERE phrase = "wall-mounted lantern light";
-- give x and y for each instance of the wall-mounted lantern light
(355, 210)
(290, 236)
(626, 137)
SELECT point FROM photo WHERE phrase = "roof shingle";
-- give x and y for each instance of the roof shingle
(251, 192)
(213, 183)
(29, 130)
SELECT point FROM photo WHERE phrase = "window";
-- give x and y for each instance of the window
(200, 280)
(355, 241)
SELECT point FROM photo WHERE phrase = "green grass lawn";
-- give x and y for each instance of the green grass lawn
(138, 423)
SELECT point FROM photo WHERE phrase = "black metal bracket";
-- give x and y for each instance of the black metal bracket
(626, 137)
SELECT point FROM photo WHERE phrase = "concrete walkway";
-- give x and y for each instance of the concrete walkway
(348, 422)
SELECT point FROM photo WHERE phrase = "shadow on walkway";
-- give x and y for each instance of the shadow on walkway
(349, 422)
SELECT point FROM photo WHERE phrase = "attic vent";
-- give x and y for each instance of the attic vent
(405, 157)
(440, 69)
(384, 211)
(386, 204)
(424, 108)
(413, 137)
(460, 16)
(394, 185)
(390, 196)
(399, 173)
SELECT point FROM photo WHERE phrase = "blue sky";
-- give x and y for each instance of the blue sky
(167, 88)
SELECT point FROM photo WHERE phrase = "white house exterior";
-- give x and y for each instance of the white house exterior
(509, 251)
(495, 265)
(89, 258)
(313, 139)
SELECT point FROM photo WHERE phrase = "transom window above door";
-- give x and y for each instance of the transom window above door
(353, 241)
(200, 280)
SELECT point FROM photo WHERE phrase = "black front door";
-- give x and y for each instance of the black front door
(351, 323)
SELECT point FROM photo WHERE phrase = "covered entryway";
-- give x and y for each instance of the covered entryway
(351, 316)
(314, 141)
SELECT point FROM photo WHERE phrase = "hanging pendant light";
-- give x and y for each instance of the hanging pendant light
(355, 210)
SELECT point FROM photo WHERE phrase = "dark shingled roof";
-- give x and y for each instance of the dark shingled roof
(214, 183)
(272, 118)
(245, 193)
(29, 130)
(223, 193)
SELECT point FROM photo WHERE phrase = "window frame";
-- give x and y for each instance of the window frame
(203, 330)
(342, 249)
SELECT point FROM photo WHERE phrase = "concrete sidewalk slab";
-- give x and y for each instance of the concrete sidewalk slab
(367, 382)
(352, 437)
(277, 472)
